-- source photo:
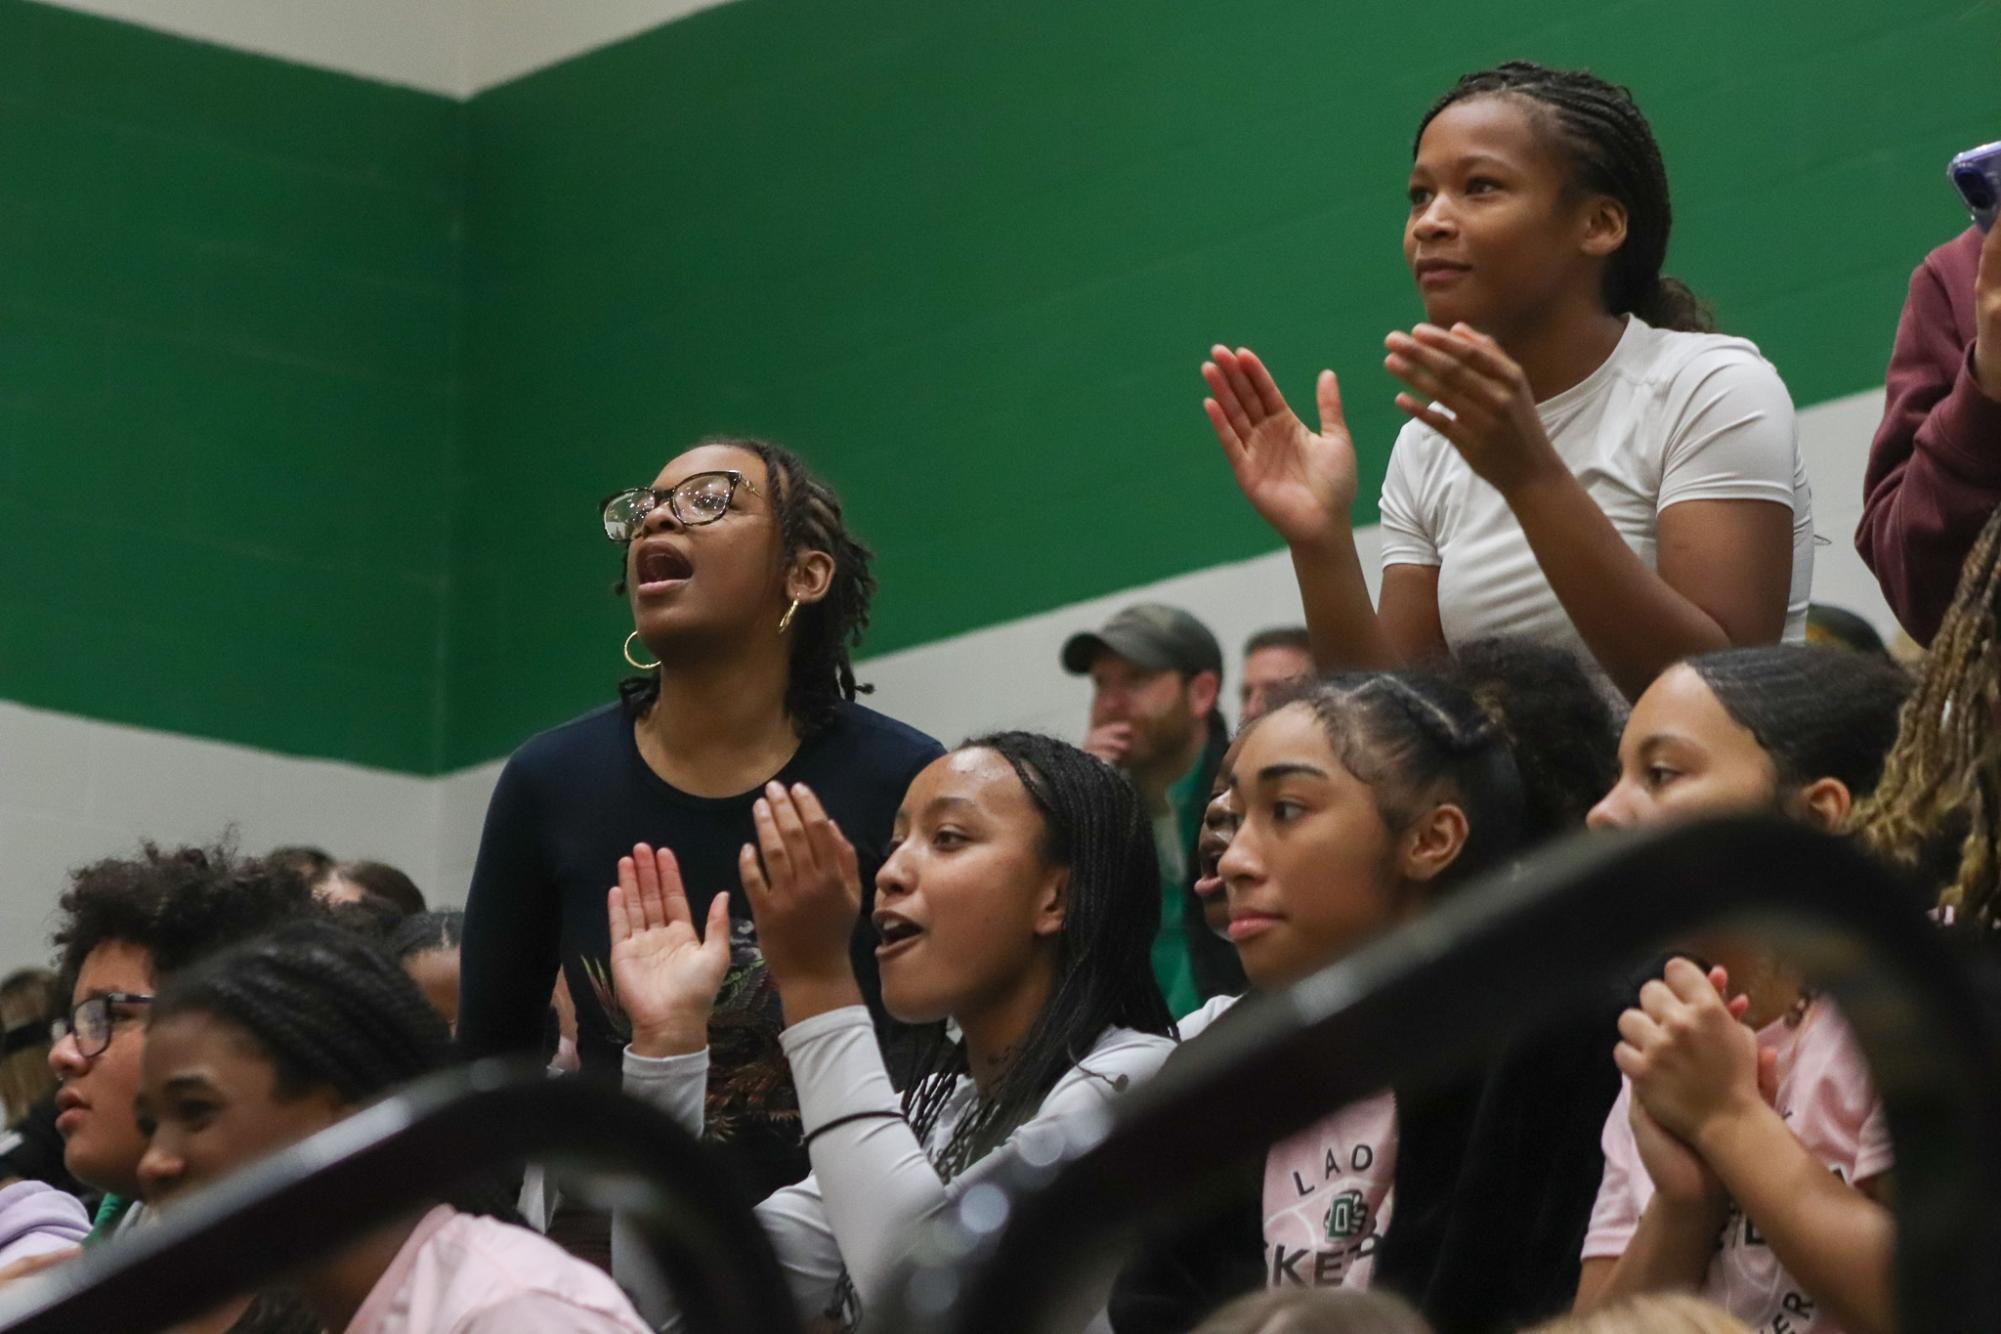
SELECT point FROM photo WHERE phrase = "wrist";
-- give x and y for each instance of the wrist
(682, 1035)
(1526, 479)
(1728, 1131)
(804, 996)
(1703, 1213)
(1326, 541)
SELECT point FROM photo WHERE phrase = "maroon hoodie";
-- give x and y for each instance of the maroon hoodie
(1935, 467)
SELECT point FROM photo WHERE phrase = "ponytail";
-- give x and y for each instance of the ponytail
(1557, 721)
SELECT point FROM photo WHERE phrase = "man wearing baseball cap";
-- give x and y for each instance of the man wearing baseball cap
(1156, 678)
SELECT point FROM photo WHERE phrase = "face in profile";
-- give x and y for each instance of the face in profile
(1309, 873)
(706, 577)
(210, 1104)
(99, 1078)
(1682, 756)
(967, 905)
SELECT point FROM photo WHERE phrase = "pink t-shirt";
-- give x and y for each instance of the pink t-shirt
(462, 1274)
(1826, 1098)
(1327, 1197)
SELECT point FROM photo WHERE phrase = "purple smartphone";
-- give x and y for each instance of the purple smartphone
(1976, 174)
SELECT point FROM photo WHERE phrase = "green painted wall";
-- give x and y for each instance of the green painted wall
(968, 257)
(227, 325)
(307, 385)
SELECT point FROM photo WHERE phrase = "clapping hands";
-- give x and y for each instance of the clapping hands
(1691, 1058)
(1302, 483)
(1489, 412)
(805, 894)
(664, 975)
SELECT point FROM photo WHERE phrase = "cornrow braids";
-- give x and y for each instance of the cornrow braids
(1613, 151)
(1943, 777)
(824, 634)
(1417, 739)
(327, 1007)
(424, 932)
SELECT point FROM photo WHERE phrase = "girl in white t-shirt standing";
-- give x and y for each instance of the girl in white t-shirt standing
(1747, 1150)
(1585, 462)
(1019, 900)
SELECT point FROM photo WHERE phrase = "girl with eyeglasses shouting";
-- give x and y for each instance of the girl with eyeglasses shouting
(748, 592)
(1585, 462)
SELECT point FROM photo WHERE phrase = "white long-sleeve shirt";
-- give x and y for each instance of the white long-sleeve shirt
(872, 1182)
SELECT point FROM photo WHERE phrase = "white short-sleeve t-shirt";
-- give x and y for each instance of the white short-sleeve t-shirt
(1669, 417)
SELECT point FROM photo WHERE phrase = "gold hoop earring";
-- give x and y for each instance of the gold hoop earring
(785, 621)
(642, 666)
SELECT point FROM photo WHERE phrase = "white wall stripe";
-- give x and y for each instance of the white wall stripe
(74, 789)
(457, 48)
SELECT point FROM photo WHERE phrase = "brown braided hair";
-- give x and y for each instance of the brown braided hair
(1943, 778)
(824, 634)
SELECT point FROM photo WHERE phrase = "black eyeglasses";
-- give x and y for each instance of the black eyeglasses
(695, 500)
(93, 1021)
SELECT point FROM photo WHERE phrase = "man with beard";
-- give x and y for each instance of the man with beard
(1156, 678)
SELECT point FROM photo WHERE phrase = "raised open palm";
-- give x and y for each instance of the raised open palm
(664, 975)
(1300, 481)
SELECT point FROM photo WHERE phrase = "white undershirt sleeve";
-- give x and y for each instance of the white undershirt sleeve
(793, 1217)
(877, 1181)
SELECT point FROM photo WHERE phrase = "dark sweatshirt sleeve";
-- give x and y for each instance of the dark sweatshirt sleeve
(507, 962)
(1934, 473)
(1178, 1277)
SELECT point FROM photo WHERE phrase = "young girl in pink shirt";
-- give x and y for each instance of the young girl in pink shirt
(277, 1038)
(1747, 1151)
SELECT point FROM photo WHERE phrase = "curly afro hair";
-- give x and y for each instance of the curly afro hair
(177, 904)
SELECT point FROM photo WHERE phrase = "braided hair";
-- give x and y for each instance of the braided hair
(1942, 781)
(425, 933)
(825, 633)
(328, 1008)
(1094, 824)
(1613, 152)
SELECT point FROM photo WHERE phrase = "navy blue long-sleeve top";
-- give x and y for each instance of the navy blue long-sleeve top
(573, 800)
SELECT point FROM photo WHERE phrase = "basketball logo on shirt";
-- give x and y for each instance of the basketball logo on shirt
(1347, 1217)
